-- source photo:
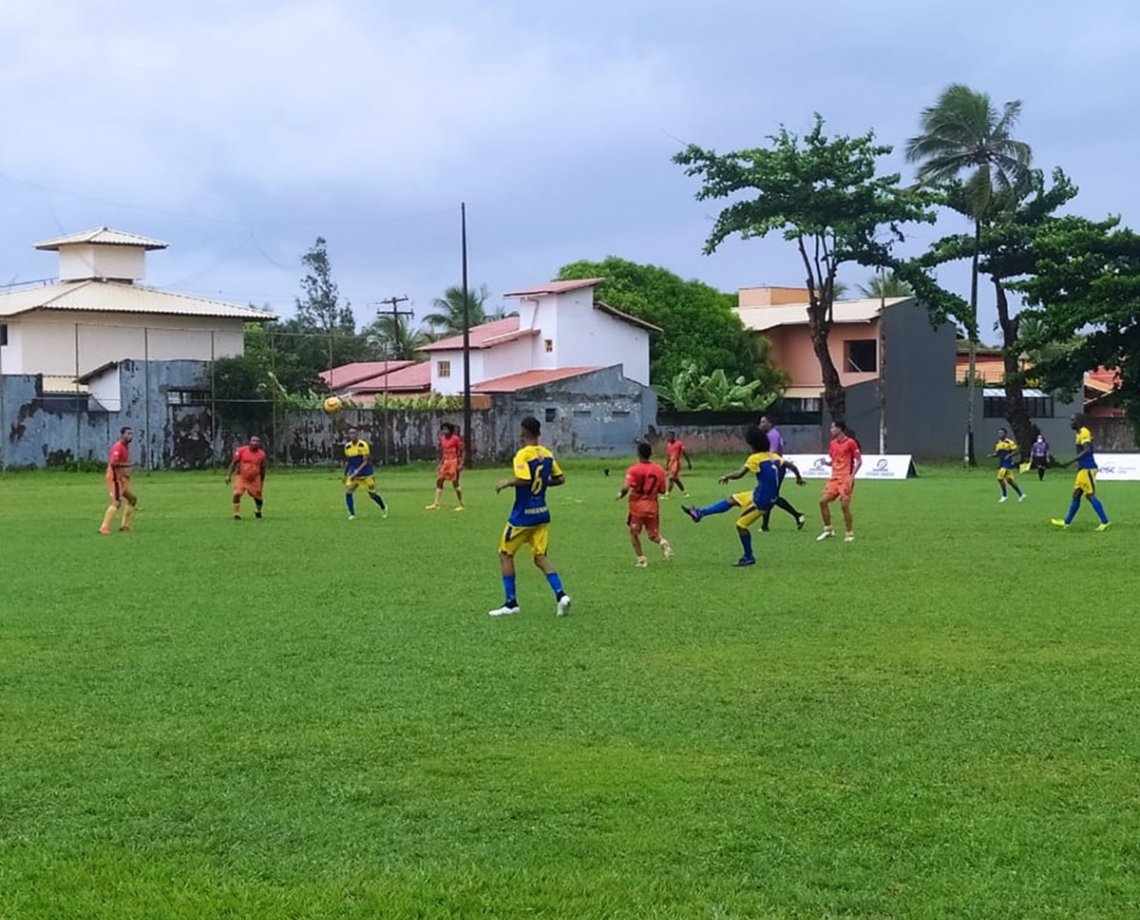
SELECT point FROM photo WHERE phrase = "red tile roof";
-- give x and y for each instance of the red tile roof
(527, 379)
(488, 335)
(347, 374)
(413, 378)
(555, 287)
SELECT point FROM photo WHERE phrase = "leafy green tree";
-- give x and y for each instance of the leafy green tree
(825, 196)
(691, 390)
(963, 134)
(448, 316)
(698, 321)
(1087, 284)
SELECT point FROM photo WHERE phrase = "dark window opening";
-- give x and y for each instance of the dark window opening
(551, 414)
(862, 356)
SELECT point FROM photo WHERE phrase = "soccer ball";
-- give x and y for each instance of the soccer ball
(332, 404)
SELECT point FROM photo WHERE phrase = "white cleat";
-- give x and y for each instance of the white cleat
(1023, 496)
(505, 611)
(563, 606)
(641, 563)
(823, 536)
(850, 538)
(352, 517)
(667, 550)
(1004, 498)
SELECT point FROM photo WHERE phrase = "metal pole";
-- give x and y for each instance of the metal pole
(3, 417)
(146, 397)
(882, 362)
(78, 426)
(213, 404)
(466, 341)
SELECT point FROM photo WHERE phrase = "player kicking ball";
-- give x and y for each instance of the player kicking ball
(765, 466)
(644, 483)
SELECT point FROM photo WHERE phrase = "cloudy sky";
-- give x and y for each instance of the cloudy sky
(241, 132)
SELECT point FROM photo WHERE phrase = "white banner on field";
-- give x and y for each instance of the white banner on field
(1118, 466)
(875, 466)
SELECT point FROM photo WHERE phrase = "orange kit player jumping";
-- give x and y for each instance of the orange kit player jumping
(119, 483)
(674, 452)
(450, 465)
(249, 463)
(644, 482)
(844, 458)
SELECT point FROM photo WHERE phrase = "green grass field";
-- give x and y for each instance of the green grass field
(306, 717)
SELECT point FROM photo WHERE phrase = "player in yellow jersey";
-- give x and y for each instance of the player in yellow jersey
(1004, 450)
(1085, 483)
(358, 472)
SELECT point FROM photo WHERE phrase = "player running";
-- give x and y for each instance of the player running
(674, 453)
(1004, 450)
(644, 482)
(1085, 483)
(358, 471)
(535, 470)
(119, 483)
(765, 466)
(844, 458)
(450, 465)
(249, 462)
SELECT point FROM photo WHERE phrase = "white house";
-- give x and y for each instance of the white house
(560, 327)
(97, 314)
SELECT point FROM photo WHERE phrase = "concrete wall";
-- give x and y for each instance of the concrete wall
(100, 260)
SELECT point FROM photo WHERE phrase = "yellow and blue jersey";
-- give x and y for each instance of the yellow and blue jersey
(1005, 449)
(1086, 461)
(768, 467)
(535, 465)
(358, 459)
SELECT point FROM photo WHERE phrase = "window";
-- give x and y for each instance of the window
(1038, 406)
(187, 397)
(582, 413)
(548, 344)
(551, 414)
(3, 334)
(443, 369)
(861, 356)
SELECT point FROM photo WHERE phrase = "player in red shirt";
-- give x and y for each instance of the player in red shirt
(674, 452)
(644, 482)
(450, 465)
(249, 463)
(844, 458)
(119, 483)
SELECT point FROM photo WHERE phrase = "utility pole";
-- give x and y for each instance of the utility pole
(467, 436)
(396, 313)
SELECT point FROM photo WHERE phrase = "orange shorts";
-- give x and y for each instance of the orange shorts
(448, 471)
(838, 488)
(243, 486)
(651, 522)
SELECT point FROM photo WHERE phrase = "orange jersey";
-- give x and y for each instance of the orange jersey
(844, 455)
(646, 480)
(451, 449)
(120, 453)
(250, 463)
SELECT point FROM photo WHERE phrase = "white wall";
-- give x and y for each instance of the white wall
(101, 261)
(594, 338)
(46, 341)
(105, 388)
(453, 385)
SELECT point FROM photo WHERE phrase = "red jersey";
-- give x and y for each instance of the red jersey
(646, 480)
(673, 451)
(844, 454)
(250, 462)
(451, 448)
(120, 453)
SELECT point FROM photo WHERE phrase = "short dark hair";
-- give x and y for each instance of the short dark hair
(644, 451)
(124, 430)
(448, 426)
(531, 425)
(841, 425)
(756, 438)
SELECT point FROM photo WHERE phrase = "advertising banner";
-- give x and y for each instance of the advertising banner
(875, 466)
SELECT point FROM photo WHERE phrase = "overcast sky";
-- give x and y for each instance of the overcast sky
(239, 132)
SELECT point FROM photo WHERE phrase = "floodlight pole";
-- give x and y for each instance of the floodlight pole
(466, 340)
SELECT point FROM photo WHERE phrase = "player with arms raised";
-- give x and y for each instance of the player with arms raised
(250, 464)
(844, 458)
(644, 482)
(535, 470)
(450, 465)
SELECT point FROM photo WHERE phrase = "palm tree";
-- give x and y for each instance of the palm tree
(963, 133)
(448, 318)
(888, 285)
(392, 338)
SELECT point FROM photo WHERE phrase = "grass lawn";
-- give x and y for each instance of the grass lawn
(306, 717)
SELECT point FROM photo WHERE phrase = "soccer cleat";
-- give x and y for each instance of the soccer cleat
(352, 517)
(258, 515)
(125, 528)
(432, 507)
(745, 561)
(666, 549)
(849, 538)
(384, 512)
(693, 513)
(687, 495)
(1023, 496)
(237, 517)
(823, 536)
(1101, 528)
(505, 611)
(641, 563)
(1004, 498)
(800, 521)
(563, 606)
(1058, 522)
(105, 531)
(458, 507)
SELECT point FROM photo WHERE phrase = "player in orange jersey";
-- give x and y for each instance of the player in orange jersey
(844, 458)
(249, 463)
(450, 465)
(119, 483)
(674, 453)
(644, 482)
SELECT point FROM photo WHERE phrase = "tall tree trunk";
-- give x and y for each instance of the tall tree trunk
(834, 395)
(1016, 413)
(972, 333)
